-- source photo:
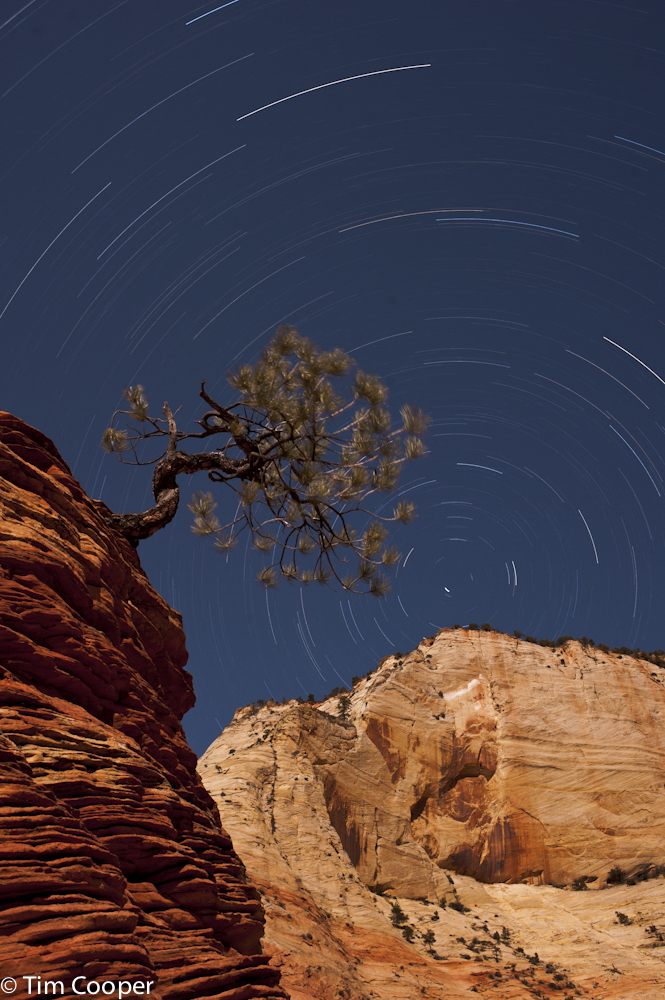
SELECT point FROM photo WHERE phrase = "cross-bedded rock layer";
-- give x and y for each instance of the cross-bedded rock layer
(480, 769)
(113, 862)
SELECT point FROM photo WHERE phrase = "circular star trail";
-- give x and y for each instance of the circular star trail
(466, 196)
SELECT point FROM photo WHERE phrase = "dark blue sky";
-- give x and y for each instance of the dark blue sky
(484, 231)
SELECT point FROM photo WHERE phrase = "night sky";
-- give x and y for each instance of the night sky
(476, 215)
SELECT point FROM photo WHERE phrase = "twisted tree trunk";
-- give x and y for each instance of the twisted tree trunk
(167, 494)
(165, 489)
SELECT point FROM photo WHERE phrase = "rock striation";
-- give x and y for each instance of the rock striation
(114, 863)
(473, 782)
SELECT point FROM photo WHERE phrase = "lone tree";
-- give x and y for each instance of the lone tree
(429, 939)
(300, 457)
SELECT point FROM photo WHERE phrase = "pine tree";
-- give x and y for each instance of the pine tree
(301, 458)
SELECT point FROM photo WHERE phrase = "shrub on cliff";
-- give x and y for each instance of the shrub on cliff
(397, 915)
(300, 457)
(343, 706)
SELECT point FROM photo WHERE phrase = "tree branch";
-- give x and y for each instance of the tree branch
(166, 492)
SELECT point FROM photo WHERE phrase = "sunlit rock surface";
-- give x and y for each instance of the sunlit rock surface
(481, 770)
(113, 862)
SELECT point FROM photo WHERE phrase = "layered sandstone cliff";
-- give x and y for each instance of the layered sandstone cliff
(481, 771)
(113, 862)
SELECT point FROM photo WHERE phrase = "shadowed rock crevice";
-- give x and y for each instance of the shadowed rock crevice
(419, 805)
(471, 770)
(351, 836)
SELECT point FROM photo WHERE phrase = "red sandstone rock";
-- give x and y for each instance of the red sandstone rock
(113, 860)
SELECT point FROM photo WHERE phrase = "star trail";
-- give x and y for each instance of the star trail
(466, 195)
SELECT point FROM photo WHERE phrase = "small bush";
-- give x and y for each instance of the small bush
(622, 918)
(408, 932)
(460, 907)
(580, 883)
(397, 915)
(616, 876)
(472, 625)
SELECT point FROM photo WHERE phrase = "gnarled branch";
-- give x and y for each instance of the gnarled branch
(167, 494)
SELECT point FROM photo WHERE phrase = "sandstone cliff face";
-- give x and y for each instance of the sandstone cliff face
(113, 860)
(480, 770)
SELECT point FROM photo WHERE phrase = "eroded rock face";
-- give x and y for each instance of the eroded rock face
(502, 760)
(480, 770)
(113, 860)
